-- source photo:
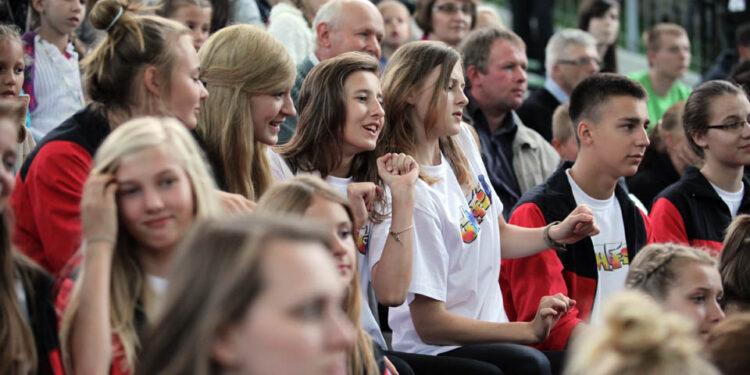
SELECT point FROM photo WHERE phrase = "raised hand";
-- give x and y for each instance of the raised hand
(361, 197)
(578, 225)
(99, 209)
(398, 171)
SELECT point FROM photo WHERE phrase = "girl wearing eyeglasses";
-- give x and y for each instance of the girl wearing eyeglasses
(697, 209)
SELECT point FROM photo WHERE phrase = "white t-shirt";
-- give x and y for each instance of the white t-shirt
(732, 200)
(367, 319)
(456, 250)
(610, 246)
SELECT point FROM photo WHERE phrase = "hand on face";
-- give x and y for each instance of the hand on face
(99, 208)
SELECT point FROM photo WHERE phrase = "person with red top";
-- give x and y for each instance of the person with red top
(149, 185)
(697, 209)
(610, 115)
(130, 74)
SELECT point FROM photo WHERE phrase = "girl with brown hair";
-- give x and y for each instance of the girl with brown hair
(146, 65)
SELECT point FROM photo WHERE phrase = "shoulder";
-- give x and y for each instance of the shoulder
(641, 76)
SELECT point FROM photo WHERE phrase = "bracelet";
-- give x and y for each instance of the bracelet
(552, 244)
(99, 239)
(395, 234)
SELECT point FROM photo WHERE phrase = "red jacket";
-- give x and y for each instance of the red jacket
(689, 212)
(525, 281)
(47, 197)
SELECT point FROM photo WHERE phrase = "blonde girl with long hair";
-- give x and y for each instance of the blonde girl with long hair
(145, 65)
(454, 306)
(252, 295)
(311, 198)
(682, 279)
(249, 76)
(150, 183)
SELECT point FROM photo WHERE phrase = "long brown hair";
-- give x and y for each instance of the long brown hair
(215, 281)
(236, 63)
(294, 197)
(18, 352)
(733, 264)
(406, 72)
(318, 141)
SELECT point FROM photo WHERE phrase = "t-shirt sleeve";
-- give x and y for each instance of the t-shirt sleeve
(666, 223)
(55, 187)
(524, 281)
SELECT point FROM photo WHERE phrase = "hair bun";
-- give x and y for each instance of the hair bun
(105, 12)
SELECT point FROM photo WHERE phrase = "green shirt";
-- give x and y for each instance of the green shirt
(657, 105)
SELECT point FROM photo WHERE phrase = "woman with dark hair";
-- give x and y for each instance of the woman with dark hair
(698, 208)
(448, 21)
(601, 18)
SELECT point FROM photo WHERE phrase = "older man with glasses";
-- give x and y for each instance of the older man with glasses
(571, 56)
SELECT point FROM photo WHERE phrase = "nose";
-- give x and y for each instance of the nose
(203, 92)
(341, 332)
(378, 111)
(153, 200)
(714, 314)
(643, 140)
(6, 186)
(462, 99)
(287, 109)
(339, 248)
(521, 74)
(373, 46)
(77, 6)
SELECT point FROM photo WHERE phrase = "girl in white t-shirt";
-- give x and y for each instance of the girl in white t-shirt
(454, 306)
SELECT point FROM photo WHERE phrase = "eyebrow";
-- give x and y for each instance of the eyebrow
(633, 119)
(157, 175)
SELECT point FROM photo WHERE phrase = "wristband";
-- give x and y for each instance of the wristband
(395, 234)
(552, 244)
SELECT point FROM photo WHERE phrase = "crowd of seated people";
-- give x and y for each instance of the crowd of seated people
(364, 187)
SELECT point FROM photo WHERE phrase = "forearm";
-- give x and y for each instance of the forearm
(392, 274)
(91, 334)
(519, 242)
(438, 326)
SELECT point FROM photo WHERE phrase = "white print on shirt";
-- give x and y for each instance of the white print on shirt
(611, 256)
(479, 200)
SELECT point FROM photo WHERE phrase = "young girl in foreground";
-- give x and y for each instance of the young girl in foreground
(683, 279)
(252, 295)
(697, 209)
(149, 184)
(454, 306)
(145, 65)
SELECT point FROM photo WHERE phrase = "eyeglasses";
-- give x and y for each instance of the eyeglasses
(581, 61)
(453, 8)
(733, 127)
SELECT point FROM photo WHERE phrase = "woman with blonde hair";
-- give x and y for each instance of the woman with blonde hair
(149, 184)
(146, 65)
(683, 280)
(455, 308)
(637, 337)
(251, 295)
(249, 76)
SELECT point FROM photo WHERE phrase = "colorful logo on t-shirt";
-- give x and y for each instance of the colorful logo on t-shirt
(479, 201)
(362, 236)
(611, 256)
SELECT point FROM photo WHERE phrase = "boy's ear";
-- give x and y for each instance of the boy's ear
(151, 80)
(585, 132)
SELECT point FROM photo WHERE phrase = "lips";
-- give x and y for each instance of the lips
(372, 128)
(158, 222)
(8, 94)
(458, 115)
(276, 125)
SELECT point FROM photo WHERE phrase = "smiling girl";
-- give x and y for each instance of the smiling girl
(150, 183)
(697, 209)
(249, 76)
(146, 65)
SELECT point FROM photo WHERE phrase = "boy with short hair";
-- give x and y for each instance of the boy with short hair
(610, 115)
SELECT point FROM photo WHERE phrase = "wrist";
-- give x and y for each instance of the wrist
(550, 236)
